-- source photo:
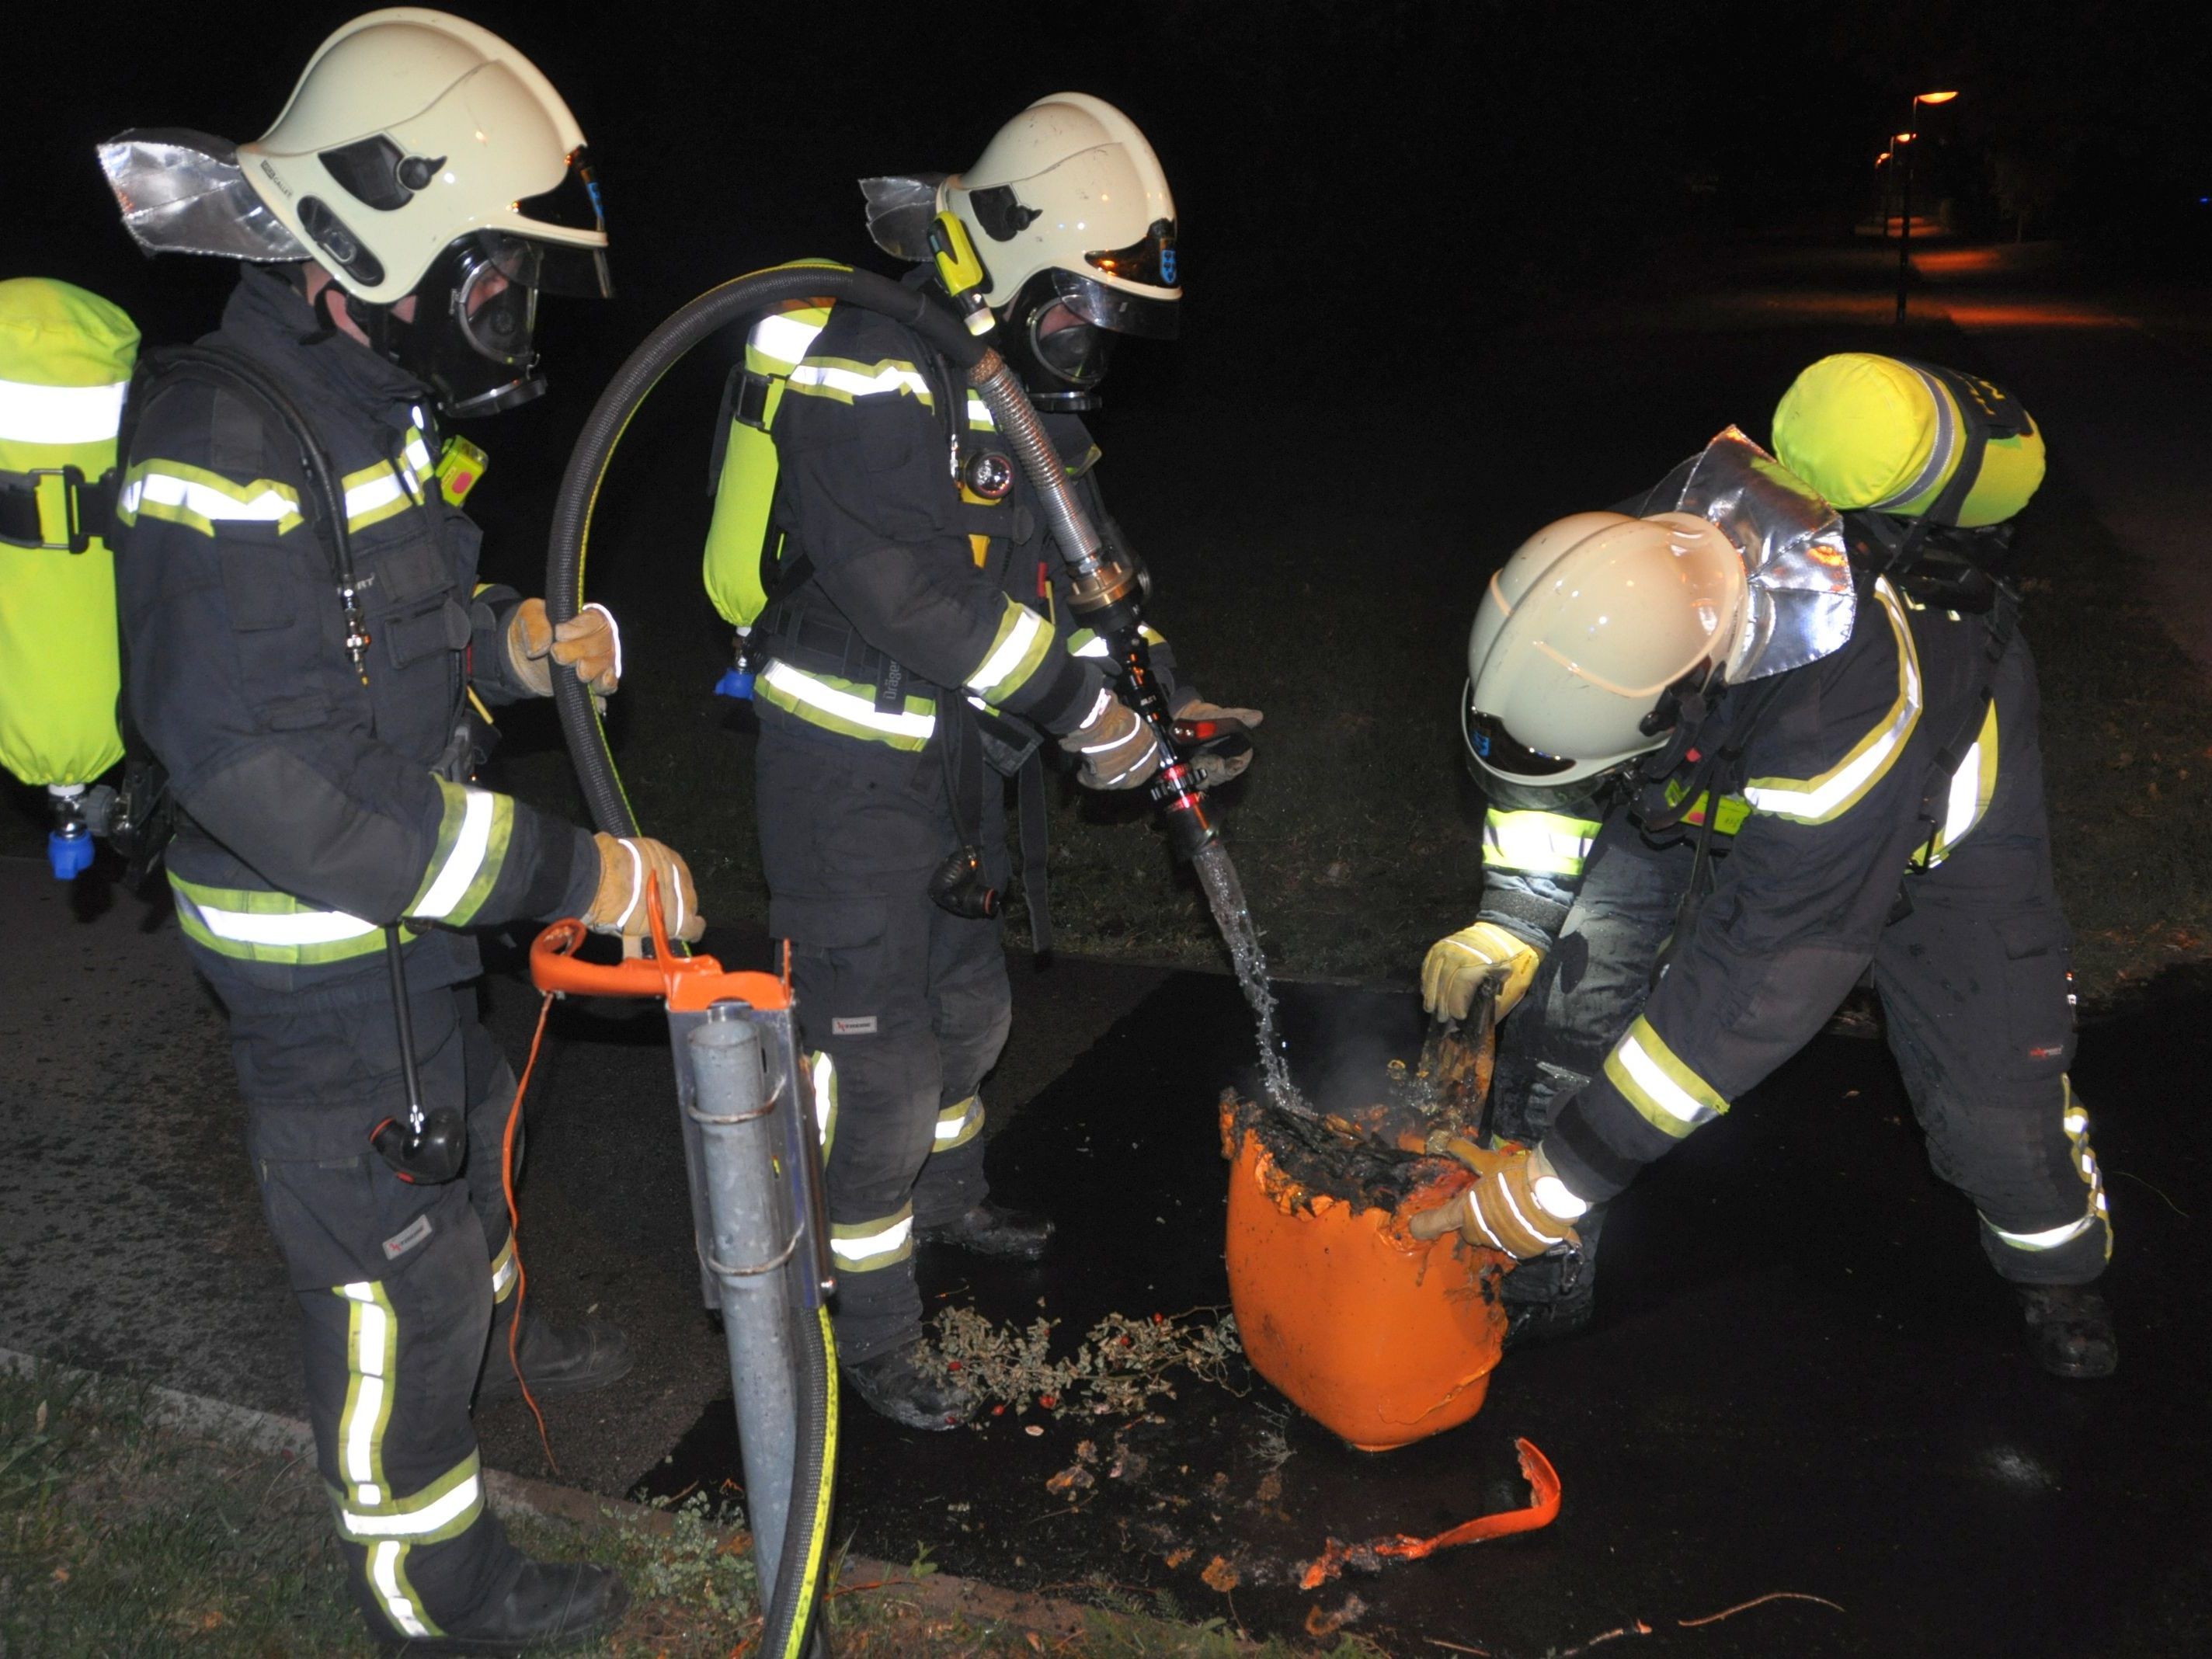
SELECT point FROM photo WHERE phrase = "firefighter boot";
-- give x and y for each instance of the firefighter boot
(991, 1229)
(2069, 1329)
(1555, 1296)
(896, 1385)
(556, 1360)
(549, 1604)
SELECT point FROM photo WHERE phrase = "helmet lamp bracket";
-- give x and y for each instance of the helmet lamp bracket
(960, 268)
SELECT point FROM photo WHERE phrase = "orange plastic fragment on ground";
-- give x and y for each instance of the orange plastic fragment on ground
(1543, 1489)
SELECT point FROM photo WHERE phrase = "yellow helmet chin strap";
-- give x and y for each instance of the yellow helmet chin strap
(960, 268)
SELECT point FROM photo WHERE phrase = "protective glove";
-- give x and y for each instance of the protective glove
(1518, 1205)
(619, 905)
(1213, 769)
(1118, 751)
(1455, 967)
(588, 644)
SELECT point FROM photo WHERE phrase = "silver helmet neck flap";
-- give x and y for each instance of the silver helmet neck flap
(1801, 601)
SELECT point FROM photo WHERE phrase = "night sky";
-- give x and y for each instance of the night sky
(1433, 152)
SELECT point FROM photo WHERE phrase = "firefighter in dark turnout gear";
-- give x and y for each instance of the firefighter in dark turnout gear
(1802, 761)
(918, 597)
(323, 794)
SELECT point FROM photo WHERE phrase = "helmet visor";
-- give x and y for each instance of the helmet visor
(1496, 750)
(572, 204)
(548, 267)
(1116, 310)
(1150, 260)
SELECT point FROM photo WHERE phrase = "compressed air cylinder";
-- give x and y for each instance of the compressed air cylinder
(1869, 431)
(739, 555)
(65, 362)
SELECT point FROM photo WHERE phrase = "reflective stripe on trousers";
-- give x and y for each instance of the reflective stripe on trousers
(958, 1124)
(2096, 1212)
(866, 1246)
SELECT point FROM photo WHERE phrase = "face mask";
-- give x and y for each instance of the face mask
(476, 316)
(1060, 355)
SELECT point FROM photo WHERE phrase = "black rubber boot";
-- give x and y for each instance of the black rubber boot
(2069, 1329)
(550, 1605)
(896, 1386)
(1555, 1296)
(993, 1229)
(1534, 1324)
(556, 1359)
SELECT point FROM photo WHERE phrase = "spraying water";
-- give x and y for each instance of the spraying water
(1226, 893)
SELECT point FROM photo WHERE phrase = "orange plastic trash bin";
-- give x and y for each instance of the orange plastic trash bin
(1381, 1338)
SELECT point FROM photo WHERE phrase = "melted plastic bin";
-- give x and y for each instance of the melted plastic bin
(1380, 1337)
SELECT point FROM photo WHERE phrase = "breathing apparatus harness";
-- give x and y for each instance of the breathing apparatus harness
(428, 1147)
(1936, 564)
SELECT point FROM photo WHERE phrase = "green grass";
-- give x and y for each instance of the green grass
(119, 1538)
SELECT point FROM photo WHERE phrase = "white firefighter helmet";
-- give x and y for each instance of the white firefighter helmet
(1068, 212)
(1583, 632)
(1070, 185)
(410, 130)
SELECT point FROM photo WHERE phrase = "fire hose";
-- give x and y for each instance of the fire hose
(1106, 596)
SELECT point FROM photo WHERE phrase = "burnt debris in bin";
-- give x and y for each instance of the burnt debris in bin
(1374, 1151)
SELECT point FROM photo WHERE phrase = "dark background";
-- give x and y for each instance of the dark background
(1397, 172)
(1372, 196)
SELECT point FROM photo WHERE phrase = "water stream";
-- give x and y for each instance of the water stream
(1226, 893)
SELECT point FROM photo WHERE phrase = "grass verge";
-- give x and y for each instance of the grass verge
(122, 1534)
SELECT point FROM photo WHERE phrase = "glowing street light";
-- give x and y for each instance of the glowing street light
(1905, 218)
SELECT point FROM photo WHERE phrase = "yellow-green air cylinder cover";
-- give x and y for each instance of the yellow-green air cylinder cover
(738, 558)
(66, 359)
(1868, 431)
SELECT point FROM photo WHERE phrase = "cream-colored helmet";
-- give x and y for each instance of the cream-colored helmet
(1068, 211)
(1582, 633)
(411, 129)
(1070, 185)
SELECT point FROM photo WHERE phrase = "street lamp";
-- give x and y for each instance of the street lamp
(1905, 215)
(1882, 192)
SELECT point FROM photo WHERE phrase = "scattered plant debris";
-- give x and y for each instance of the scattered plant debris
(1118, 1370)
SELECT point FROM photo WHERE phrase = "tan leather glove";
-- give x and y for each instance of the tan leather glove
(1118, 749)
(1517, 1205)
(588, 645)
(1218, 768)
(1455, 967)
(619, 905)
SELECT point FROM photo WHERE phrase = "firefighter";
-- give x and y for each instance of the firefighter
(1740, 751)
(913, 654)
(423, 185)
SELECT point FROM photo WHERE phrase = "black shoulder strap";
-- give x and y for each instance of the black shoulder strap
(325, 501)
(2003, 623)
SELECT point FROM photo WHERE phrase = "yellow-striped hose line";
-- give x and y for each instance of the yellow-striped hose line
(817, 1535)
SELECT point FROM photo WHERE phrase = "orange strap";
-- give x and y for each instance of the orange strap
(1543, 1488)
(514, 1231)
